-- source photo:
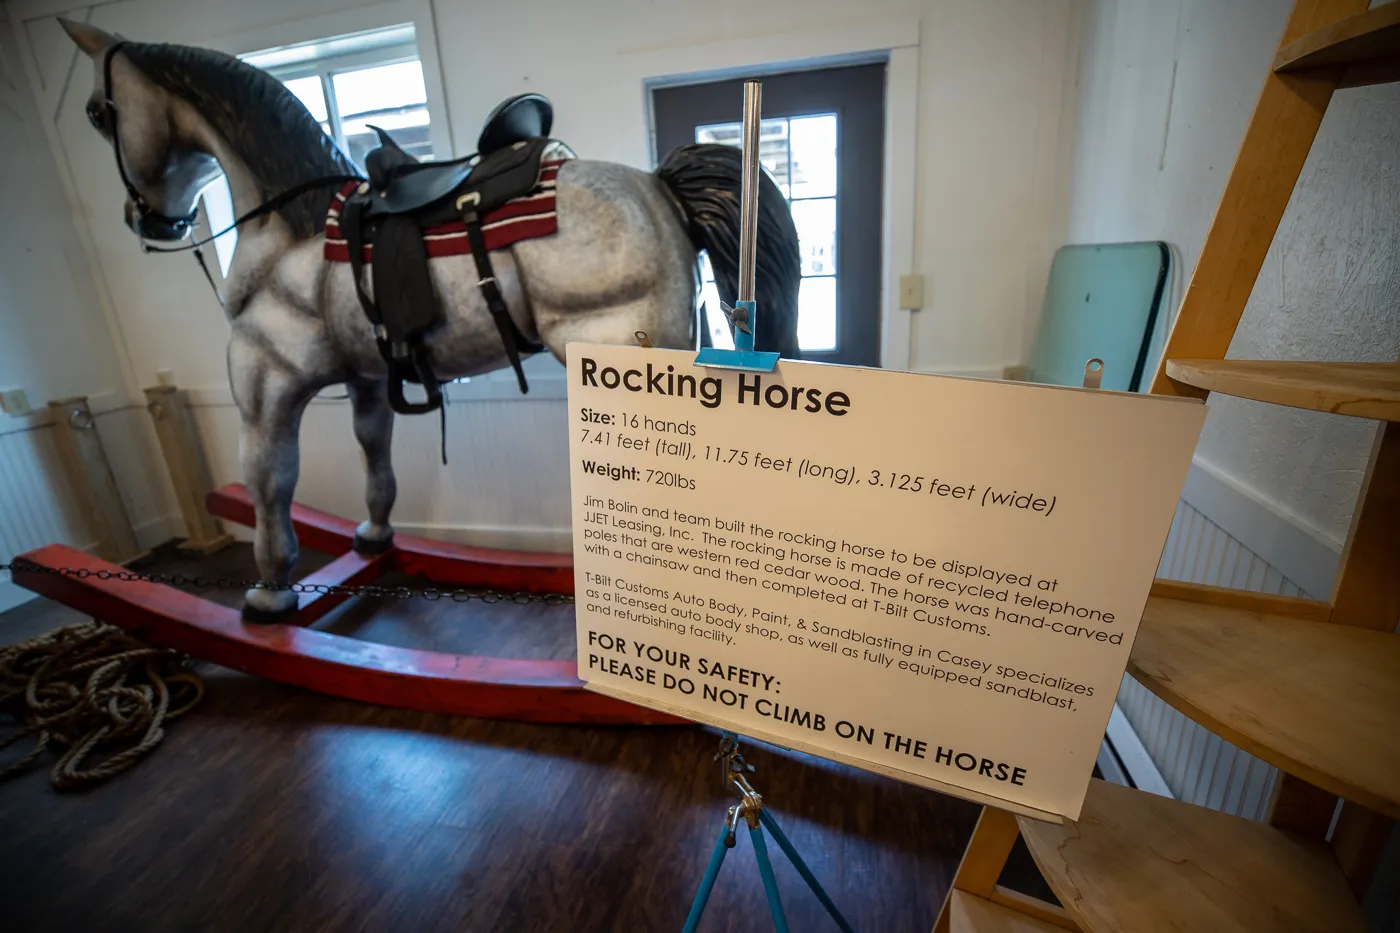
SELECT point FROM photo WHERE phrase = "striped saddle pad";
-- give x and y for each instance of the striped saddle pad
(524, 218)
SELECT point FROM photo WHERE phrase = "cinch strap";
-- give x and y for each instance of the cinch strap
(511, 337)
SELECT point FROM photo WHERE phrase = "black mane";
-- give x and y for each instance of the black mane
(277, 138)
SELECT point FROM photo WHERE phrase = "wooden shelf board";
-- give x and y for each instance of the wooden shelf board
(969, 913)
(1316, 700)
(1364, 390)
(1366, 39)
(1134, 861)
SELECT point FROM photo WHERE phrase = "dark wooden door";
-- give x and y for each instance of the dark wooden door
(823, 142)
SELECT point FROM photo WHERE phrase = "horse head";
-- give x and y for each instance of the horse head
(160, 141)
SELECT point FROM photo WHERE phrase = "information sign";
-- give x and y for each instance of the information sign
(934, 578)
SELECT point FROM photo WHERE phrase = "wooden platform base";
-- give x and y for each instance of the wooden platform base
(468, 685)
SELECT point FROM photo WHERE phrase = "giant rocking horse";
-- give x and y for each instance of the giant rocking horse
(473, 264)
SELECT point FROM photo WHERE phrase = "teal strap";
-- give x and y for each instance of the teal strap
(770, 883)
(707, 884)
(803, 870)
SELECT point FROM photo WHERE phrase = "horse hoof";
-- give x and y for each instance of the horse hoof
(372, 539)
(268, 607)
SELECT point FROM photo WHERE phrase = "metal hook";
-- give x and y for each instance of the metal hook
(1093, 373)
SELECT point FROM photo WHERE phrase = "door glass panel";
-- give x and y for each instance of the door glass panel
(816, 313)
(813, 141)
(816, 231)
(800, 154)
(821, 141)
(772, 145)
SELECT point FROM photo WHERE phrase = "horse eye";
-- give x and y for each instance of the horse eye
(96, 116)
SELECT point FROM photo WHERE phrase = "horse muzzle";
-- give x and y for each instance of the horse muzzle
(153, 225)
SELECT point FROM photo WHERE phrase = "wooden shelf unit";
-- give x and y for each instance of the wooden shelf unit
(1134, 861)
(1311, 687)
(1368, 43)
(1316, 700)
(973, 914)
(1362, 390)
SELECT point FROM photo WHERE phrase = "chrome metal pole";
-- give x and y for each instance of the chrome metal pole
(748, 228)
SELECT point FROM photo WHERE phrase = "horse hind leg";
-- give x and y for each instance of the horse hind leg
(374, 430)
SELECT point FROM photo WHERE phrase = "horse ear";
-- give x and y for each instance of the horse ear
(93, 41)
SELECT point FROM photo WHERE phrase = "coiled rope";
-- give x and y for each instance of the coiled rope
(90, 687)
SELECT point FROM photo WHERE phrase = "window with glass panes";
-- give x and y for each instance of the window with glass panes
(348, 84)
(351, 83)
(800, 154)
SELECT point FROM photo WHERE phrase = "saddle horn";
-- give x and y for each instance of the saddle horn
(383, 161)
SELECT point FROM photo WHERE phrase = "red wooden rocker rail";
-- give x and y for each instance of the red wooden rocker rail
(464, 685)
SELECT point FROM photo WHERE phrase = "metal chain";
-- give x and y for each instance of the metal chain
(432, 594)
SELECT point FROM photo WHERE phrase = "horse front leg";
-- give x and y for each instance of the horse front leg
(270, 399)
(374, 430)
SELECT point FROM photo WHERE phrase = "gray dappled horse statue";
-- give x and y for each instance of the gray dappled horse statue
(623, 260)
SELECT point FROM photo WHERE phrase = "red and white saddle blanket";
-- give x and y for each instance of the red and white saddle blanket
(521, 219)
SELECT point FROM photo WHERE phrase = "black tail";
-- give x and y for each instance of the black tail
(706, 179)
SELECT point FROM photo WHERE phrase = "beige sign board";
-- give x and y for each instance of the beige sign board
(934, 578)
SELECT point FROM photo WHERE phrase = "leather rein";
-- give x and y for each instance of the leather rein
(156, 225)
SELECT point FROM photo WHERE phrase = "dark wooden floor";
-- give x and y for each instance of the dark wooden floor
(274, 809)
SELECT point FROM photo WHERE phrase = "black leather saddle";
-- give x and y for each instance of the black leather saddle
(402, 198)
(404, 184)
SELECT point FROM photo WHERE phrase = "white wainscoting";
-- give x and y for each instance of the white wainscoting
(1197, 765)
(506, 482)
(37, 507)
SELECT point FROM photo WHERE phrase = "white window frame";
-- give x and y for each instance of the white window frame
(374, 17)
(369, 19)
(326, 68)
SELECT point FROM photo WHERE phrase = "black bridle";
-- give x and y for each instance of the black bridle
(152, 224)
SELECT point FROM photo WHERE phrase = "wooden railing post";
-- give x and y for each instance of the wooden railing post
(189, 472)
(90, 476)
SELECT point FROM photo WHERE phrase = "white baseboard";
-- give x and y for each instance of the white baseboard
(158, 531)
(549, 540)
(1300, 552)
(545, 540)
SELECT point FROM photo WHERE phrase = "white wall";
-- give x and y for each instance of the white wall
(994, 85)
(1165, 91)
(56, 341)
